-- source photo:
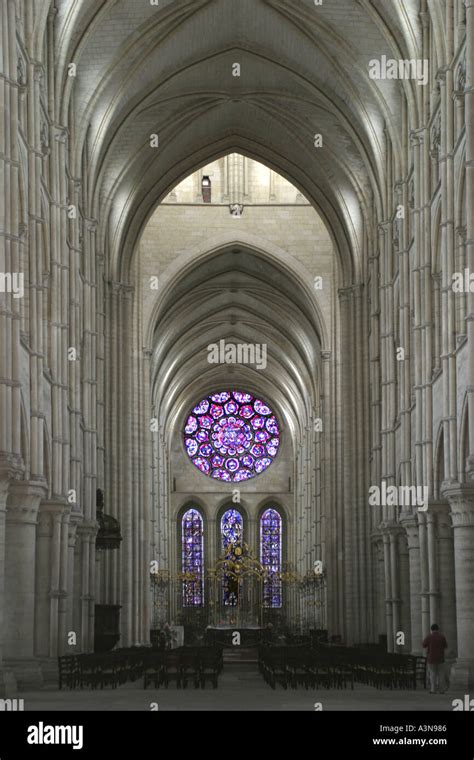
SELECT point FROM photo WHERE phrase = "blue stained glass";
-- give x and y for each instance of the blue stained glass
(232, 425)
(192, 547)
(270, 557)
(232, 529)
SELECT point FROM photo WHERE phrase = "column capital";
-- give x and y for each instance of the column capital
(440, 510)
(416, 137)
(410, 525)
(24, 499)
(437, 508)
(11, 467)
(60, 133)
(121, 288)
(440, 75)
(392, 529)
(50, 511)
(461, 501)
(87, 529)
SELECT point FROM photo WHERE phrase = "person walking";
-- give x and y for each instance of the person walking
(436, 644)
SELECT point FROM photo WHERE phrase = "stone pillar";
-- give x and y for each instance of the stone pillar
(236, 178)
(63, 585)
(433, 593)
(411, 527)
(198, 186)
(395, 592)
(404, 580)
(272, 186)
(20, 566)
(7, 680)
(424, 575)
(469, 169)
(87, 532)
(48, 565)
(225, 179)
(461, 500)
(446, 586)
(72, 526)
(388, 593)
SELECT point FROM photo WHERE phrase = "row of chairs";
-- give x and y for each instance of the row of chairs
(116, 668)
(390, 671)
(293, 667)
(185, 665)
(338, 668)
(93, 671)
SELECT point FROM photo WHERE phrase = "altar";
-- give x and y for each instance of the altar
(224, 635)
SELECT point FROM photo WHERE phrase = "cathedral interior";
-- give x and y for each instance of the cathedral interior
(236, 321)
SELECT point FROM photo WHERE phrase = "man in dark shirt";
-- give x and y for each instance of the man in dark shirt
(436, 643)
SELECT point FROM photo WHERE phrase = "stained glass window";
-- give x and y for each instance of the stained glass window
(192, 535)
(270, 556)
(232, 436)
(232, 528)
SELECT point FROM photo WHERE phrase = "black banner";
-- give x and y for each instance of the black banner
(381, 734)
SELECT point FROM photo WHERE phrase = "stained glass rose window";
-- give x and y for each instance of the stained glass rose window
(232, 436)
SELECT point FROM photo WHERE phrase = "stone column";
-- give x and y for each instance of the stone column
(198, 186)
(349, 569)
(7, 680)
(469, 164)
(461, 500)
(424, 575)
(394, 533)
(87, 531)
(20, 566)
(225, 179)
(48, 559)
(72, 526)
(446, 586)
(271, 187)
(411, 527)
(236, 178)
(433, 593)
(388, 593)
(63, 585)
(405, 622)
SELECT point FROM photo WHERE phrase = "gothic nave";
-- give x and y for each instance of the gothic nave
(236, 322)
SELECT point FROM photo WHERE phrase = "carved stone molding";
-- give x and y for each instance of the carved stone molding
(44, 138)
(60, 134)
(21, 73)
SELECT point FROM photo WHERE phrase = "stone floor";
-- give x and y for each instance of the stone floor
(240, 688)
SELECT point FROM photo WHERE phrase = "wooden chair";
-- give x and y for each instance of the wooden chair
(190, 667)
(342, 672)
(209, 666)
(297, 668)
(153, 670)
(68, 671)
(420, 672)
(172, 667)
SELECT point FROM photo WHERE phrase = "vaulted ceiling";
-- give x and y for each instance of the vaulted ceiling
(250, 299)
(168, 69)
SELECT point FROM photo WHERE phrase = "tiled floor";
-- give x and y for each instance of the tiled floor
(240, 688)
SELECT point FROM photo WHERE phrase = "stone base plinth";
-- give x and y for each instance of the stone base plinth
(27, 673)
(462, 677)
(8, 684)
